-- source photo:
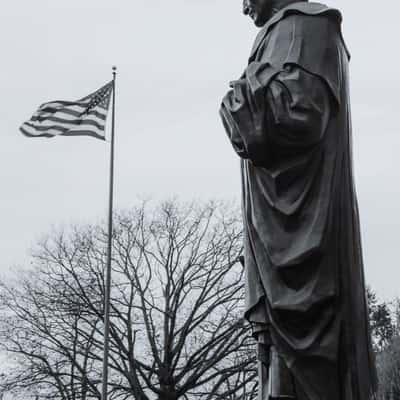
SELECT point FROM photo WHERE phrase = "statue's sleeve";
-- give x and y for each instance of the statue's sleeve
(298, 108)
(286, 98)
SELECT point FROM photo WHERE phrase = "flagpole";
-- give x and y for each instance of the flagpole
(109, 250)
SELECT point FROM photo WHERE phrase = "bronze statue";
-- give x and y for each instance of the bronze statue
(288, 118)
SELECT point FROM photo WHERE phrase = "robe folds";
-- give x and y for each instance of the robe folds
(288, 118)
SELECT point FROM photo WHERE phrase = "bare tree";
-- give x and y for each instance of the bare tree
(176, 305)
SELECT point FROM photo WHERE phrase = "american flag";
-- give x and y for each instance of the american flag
(84, 117)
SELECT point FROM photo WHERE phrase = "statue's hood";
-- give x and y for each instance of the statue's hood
(301, 7)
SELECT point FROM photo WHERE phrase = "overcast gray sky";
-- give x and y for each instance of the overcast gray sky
(174, 60)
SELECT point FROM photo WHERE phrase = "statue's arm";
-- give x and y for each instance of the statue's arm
(291, 109)
(298, 108)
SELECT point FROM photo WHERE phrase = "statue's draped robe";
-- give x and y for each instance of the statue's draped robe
(288, 118)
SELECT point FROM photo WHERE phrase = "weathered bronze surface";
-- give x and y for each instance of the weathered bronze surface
(288, 118)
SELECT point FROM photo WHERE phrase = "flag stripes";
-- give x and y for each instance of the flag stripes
(50, 121)
(84, 117)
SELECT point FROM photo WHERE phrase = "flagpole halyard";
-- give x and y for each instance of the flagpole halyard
(109, 251)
